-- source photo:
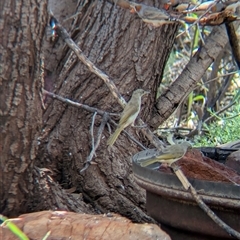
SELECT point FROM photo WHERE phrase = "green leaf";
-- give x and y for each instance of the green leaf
(13, 228)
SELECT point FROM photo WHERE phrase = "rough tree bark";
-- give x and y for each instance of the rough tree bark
(190, 76)
(21, 37)
(118, 43)
(134, 56)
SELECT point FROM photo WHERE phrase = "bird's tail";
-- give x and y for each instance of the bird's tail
(147, 162)
(114, 137)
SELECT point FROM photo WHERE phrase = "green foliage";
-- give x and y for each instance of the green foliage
(47, 235)
(13, 228)
(225, 129)
(218, 89)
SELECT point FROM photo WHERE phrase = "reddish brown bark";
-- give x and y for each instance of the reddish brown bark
(22, 30)
(118, 43)
(122, 46)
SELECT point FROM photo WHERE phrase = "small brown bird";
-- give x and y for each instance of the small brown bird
(169, 155)
(128, 115)
(154, 16)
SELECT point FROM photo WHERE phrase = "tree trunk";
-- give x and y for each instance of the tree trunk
(134, 56)
(22, 30)
(119, 44)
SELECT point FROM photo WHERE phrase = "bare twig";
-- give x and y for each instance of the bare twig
(78, 105)
(61, 31)
(100, 130)
(112, 87)
(180, 175)
(79, 8)
(90, 109)
(190, 76)
(42, 67)
(187, 185)
(91, 129)
(199, 18)
(109, 128)
(220, 111)
(95, 144)
(195, 131)
(173, 129)
(134, 140)
(212, 215)
(216, 78)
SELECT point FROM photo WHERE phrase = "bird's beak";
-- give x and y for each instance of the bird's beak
(135, 7)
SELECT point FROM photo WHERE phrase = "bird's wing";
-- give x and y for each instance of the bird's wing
(130, 110)
(175, 149)
(152, 13)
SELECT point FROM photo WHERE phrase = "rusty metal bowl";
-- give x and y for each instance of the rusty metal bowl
(172, 206)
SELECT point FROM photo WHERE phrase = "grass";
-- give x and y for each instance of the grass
(224, 129)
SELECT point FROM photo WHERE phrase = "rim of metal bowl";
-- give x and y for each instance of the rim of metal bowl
(165, 184)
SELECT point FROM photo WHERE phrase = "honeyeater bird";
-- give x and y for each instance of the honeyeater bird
(129, 114)
(169, 155)
(154, 16)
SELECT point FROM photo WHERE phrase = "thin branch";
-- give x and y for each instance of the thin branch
(187, 185)
(112, 87)
(134, 140)
(42, 67)
(100, 130)
(96, 144)
(212, 215)
(109, 128)
(220, 111)
(61, 32)
(78, 105)
(216, 78)
(93, 110)
(195, 131)
(91, 130)
(173, 129)
(190, 76)
(198, 19)
(152, 138)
